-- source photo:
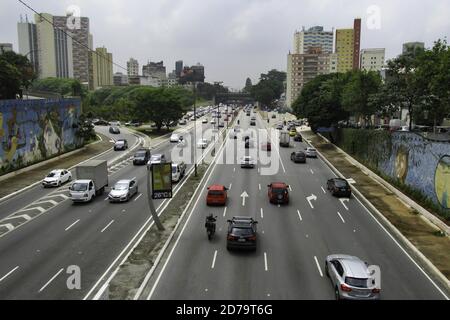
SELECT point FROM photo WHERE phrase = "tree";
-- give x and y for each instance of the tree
(85, 129)
(248, 85)
(269, 88)
(16, 73)
(356, 94)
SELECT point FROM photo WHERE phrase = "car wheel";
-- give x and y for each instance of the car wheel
(70, 178)
(336, 293)
(59, 183)
(326, 270)
(228, 248)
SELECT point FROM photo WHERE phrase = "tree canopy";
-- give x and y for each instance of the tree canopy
(16, 74)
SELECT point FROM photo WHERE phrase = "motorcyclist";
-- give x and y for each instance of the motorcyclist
(210, 223)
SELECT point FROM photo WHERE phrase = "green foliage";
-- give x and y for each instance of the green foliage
(269, 88)
(85, 129)
(248, 85)
(16, 73)
(62, 86)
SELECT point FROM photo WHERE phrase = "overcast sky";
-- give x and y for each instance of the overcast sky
(235, 39)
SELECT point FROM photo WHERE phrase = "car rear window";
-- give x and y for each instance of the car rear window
(242, 231)
(356, 282)
(215, 193)
(278, 190)
(340, 183)
(140, 154)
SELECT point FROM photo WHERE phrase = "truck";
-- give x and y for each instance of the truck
(92, 178)
(285, 139)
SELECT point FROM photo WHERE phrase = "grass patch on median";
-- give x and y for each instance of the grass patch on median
(131, 274)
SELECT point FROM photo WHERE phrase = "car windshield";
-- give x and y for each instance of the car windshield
(243, 231)
(79, 187)
(356, 282)
(340, 183)
(174, 169)
(156, 158)
(140, 155)
(53, 174)
(120, 142)
(121, 186)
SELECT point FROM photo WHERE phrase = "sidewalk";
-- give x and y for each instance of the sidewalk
(25, 179)
(419, 231)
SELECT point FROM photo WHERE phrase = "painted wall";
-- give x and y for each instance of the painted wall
(408, 157)
(35, 130)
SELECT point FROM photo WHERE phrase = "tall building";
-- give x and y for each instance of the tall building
(348, 43)
(80, 45)
(132, 67)
(313, 37)
(4, 47)
(120, 79)
(372, 59)
(172, 79)
(28, 43)
(302, 68)
(155, 70)
(46, 44)
(413, 47)
(103, 68)
(178, 68)
(194, 73)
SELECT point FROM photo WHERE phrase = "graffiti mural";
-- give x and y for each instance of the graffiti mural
(35, 130)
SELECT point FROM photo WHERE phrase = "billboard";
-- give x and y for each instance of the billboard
(162, 181)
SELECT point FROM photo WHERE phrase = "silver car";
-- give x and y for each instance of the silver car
(123, 190)
(351, 278)
(311, 153)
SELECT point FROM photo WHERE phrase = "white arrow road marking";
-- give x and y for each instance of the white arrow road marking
(49, 281)
(344, 200)
(312, 171)
(8, 226)
(318, 266)
(299, 215)
(323, 190)
(351, 181)
(311, 198)
(214, 260)
(244, 195)
(341, 217)
(8, 274)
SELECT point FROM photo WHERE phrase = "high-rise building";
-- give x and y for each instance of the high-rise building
(172, 79)
(4, 47)
(28, 43)
(120, 79)
(348, 43)
(312, 38)
(194, 73)
(80, 44)
(132, 67)
(155, 70)
(413, 47)
(103, 68)
(178, 68)
(46, 43)
(372, 59)
(302, 68)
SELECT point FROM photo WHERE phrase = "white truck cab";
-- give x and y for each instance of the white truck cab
(82, 191)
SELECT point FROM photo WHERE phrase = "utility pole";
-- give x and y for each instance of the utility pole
(195, 130)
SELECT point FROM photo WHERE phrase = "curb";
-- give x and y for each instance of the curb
(432, 219)
(396, 234)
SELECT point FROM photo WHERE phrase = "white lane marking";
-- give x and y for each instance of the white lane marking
(299, 215)
(342, 201)
(234, 169)
(8, 274)
(259, 186)
(318, 266)
(311, 198)
(53, 202)
(265, 262)
(312, 171)
(290, 188)
(112, 221)
(244, 195)
(57, 195)
(106, 198)
(225, 211)
(24, 216)
(72, 225)
(279, 206)
(8, 226)
(40, 209)
(341, 217)
(262, 213)
(140, 195)
(323, 190)
(231, 184)
(49, 281)
(214, 260)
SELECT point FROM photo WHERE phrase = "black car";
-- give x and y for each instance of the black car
(101, 123)
(114, 130)
(298, 157)
(339, 187)
(241, 233)
(253, 123)
(298, 138)
(141, 157)
(274, 116)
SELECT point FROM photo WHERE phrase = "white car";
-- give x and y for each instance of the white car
(202, 144)
(204, 121)
(247, 162)
(56, 178)
(311, 153)
(175, 138)
(213, 121)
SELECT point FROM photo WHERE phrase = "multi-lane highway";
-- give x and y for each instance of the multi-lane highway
(293, 240)
(53, 234)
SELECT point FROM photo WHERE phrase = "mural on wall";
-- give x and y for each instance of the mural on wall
(34, 130)
(421, 164)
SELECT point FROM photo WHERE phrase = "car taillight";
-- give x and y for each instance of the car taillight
(231, 238)
(252, 238)
(376, 290)
(345, 288)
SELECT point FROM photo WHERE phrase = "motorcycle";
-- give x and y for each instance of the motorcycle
(210, 225)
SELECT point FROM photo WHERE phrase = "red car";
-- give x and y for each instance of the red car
(217, 195)
(278, 193)
(266, 146)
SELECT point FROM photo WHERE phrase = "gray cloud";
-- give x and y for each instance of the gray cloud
(235, 38)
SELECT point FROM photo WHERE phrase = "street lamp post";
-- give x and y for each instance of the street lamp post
(195, 130)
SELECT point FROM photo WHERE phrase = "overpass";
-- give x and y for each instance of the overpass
(234, 98)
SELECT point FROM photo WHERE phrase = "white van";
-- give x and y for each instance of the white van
(178, 171)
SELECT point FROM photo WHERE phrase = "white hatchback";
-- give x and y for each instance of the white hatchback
(56, 178)
(175, 138)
